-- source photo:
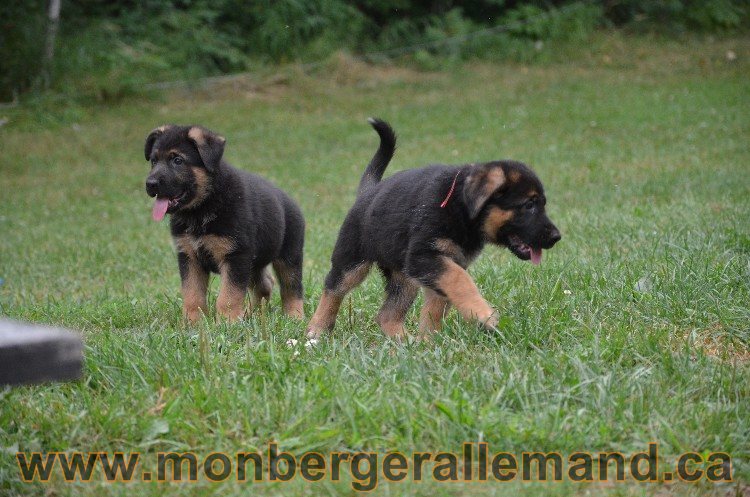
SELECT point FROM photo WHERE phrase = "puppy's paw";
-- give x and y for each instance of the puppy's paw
(294, 308)
(193, 315)
(490, 320)
(313, 332)
(320, 323)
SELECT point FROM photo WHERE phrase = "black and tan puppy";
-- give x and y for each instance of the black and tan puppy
(423, 227)
(224, 221)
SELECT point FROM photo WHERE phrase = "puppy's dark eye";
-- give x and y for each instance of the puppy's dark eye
(177, 161)
(530, 204)
(153, 162)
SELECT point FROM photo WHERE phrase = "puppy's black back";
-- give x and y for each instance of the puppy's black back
(406, 206)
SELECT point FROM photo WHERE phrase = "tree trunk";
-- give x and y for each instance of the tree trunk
(53, 18)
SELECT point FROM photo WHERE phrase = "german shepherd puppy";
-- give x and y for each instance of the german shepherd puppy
(225, 221)
(423, 227)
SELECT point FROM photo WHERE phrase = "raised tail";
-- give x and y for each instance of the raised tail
(375, 169)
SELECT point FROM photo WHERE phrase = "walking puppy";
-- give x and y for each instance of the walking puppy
(423, 227)
(224, 221)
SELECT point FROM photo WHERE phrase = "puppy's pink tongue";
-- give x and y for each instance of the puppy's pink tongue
(536, 256)
(160, 208)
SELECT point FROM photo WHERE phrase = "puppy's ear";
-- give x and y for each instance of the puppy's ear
(210, 146)
(482, 182)
(151, 139)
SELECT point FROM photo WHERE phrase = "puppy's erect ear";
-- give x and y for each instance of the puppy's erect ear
(482, 182)
(210, 146)
(151, 139)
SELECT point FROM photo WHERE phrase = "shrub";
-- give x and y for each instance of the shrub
(109, 49)
(680, 15)
(22, 29)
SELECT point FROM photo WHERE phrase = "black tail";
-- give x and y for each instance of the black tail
(382, 157)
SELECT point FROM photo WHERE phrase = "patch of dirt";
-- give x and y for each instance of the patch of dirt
(715, 343)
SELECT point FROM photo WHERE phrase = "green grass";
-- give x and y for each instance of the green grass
(634, 329)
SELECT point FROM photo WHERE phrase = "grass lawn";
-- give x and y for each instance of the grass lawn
(635, 328)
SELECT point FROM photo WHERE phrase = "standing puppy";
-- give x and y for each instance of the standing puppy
(423, 227)
(224, 221)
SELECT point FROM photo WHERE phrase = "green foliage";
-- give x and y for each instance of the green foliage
(574, 22)
(109, 49)
(283, 30)
(681, 15)
(21, 44)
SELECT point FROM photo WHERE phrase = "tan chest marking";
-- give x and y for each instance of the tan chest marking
(218, 247)
(451, 249)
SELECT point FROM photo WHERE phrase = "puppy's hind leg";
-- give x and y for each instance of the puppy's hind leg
(400, 294)
(338, 283)
(290, 286)
(348, 269)
(262, 285)
(288, 266)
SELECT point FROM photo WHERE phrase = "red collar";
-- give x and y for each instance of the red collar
(450, 192)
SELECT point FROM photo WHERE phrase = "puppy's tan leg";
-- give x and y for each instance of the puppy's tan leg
(290, 286)
(230, 303)
(433, 310)
(330, 302)
(194, 287)
(463, 293)
(262, 288)
(400, 294)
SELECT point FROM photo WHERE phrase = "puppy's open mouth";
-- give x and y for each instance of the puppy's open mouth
(162, 205)
(524, 251)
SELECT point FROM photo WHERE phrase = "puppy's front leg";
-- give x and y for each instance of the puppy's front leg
(463, 293)
(447, 278)
(235, 276)
(194, 285)
(433, 311)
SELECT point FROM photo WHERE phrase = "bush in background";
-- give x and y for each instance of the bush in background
(21, 45)
(108, 49)
(679, 15)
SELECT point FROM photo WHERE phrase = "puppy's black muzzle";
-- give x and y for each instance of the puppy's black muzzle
(162, 183)
(552, 236)
(152, 186)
